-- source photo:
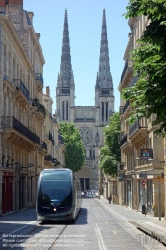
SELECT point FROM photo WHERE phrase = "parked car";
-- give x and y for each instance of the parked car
(91, 195)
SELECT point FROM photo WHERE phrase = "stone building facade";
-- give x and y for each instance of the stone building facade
(142, 154)
(90, 120)
(23, 142)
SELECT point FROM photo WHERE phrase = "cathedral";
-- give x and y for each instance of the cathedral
(90, 120)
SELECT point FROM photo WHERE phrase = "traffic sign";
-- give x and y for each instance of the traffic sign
(143, 183)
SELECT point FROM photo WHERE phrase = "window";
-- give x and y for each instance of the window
(63, 111)
(102, 111)
(66, 111)
(106, 111)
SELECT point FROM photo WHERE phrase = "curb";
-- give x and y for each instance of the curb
(151, 232)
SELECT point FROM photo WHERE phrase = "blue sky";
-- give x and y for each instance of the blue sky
(85, 20)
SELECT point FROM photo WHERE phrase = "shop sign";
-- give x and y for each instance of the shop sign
(146, 153)
(143, 175)
(143, 182)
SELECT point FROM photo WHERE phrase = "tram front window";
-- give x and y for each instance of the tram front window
(55, 190)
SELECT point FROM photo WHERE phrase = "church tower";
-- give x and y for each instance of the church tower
(90, 120)
(104, 96)
(65, 90)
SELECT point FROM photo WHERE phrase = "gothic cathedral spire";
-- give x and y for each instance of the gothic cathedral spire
(65, 83)
(104, 86)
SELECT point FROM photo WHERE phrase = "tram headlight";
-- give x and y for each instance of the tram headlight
(54, 209)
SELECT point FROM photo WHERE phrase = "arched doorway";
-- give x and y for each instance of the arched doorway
(86, 177)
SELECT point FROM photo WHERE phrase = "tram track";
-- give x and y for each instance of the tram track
(99, 237)
(105, 208)
(103, 246)
(20, 236)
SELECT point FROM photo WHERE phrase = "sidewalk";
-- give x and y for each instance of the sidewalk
(148, 224)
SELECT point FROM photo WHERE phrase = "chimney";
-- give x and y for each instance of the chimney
(2, 3)
(38, 36)
(15, 1)
(2, 6)
(31, 14)
(48, 91)
(15, 12)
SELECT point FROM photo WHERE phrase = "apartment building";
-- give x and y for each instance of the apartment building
(141, 186)
(24, 146)
(52, 138)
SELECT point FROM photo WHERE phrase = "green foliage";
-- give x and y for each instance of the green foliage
(111, 153)
(75, 150)
(40, 106)
(148, 95)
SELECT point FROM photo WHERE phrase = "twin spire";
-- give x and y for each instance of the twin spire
(66, 78)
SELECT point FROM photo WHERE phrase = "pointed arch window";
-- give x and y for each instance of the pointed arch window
(106, 111)
(102, 105)
(90, 153)
(63, 111)
(67, 114)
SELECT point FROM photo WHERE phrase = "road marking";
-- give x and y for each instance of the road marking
(114, 232)
(101, 241)
(113, 211)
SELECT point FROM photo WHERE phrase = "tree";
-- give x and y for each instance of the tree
(75, 150)
(148, 95)
(111, 153)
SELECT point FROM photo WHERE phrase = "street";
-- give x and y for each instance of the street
(99, 226)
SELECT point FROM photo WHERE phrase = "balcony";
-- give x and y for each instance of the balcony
(20, 90)
(127, 104)
(123, 140)
(48, 158)
(43, 145)
(11, 123)
(126, 75)
(121, 168)
(134, 80)
(126, 110)
(60, 138)
(138, 132)
(39, 80)
(40, 110)
(121, 110)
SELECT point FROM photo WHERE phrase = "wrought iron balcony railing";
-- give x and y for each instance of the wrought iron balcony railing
(48, 158)
(121, 110)
(60, 138)
(127, 104)
(43, 145)
(128, 65)
(19, 85)
(123, 140)
(39, 77)
(134, 127)
(134, 80)
(139, 124)
(10, 122)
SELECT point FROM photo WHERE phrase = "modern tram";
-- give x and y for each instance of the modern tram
(58, 195)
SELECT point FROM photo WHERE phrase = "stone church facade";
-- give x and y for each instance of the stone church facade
(90, 120)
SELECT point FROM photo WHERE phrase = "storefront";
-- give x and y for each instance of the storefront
(129, 193)
(7, 192)
(142, 193)
(149, 196)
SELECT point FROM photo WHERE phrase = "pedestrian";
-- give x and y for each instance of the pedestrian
(110, 198)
